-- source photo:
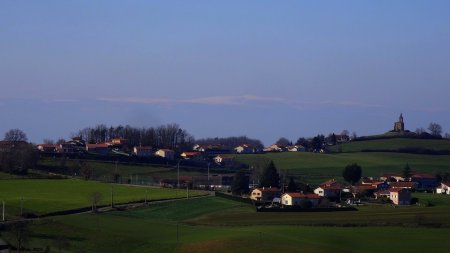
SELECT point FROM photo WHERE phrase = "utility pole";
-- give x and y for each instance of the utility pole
(146, 193)
(21, 206)
(3, 210)
(209, 184)
(187, 191)
(178, 177)
(112, 196)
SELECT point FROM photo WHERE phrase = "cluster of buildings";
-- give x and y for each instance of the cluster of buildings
(393, 187)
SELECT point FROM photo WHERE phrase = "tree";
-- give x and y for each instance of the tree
(303, 142)
(15, 135)
(447, 135)
(240, 183)
(332, 139)
(95, 198)
(292, 186)
(20, 232)
(317, 142)
(352, 173)
(270, 176)
(435, 129)
(420, 130)
(284, 142)
(406, 173)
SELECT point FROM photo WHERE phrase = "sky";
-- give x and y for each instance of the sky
(264, 69)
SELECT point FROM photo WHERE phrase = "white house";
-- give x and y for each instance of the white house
(297, 198)
(444, 188)
(244, 149)
(220, 159)
(265, 194)
(296, 148)
(330, 188)
(166, 153)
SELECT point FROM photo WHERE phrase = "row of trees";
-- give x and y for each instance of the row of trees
(164, 136)
(231, 142)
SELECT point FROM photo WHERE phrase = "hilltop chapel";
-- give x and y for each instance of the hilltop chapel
(399, 126)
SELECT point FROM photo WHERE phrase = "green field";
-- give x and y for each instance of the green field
(45, 196)
(393, 144)
(314, 167)
(178, 227)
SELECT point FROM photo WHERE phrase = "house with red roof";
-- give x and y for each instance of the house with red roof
(166, 153)
(298, 198)
(265, 194)
(143, 151)
(190, 155)
(99, 148)
(329, 189)
(49, 148)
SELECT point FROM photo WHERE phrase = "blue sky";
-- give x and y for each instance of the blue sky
(264, 69)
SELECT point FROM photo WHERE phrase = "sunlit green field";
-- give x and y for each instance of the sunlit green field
(314, 167)
(178, 227)
(45, 196)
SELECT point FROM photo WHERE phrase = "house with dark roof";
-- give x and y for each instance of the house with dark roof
(403, 185)
(424, 180)
(143, 151)
(400, 196)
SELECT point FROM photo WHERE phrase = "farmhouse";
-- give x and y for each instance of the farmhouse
(100, 148)
(424, 180)
(298, 199)
(166, 153)
(400, 196)
(50, 148)
(274, 148)
(244, 149)
(220, 159)
(329, 189)
(296, 148)
(190, 155)
(444, 188)
(143, 151)
(265, 194)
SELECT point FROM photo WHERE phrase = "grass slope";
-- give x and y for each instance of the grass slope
(163, 228)
(44, 196)
(393, 144)
(314, 167)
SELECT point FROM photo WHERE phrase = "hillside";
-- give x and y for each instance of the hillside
(314, 167)
(403, 145)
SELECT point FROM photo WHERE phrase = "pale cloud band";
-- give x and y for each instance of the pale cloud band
(235, 100)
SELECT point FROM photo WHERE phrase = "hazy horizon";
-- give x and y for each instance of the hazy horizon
(263, 69)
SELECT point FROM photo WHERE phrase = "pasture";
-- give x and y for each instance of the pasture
(178, 227)
(315, 167)
(392, 145)
(45, 196)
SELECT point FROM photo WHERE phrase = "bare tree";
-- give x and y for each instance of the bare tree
(15, 135)
(420, 130)
(284, 142)
(20, 232)
(49, 141)
(447, 135)
(435, 129)
(95, 198)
